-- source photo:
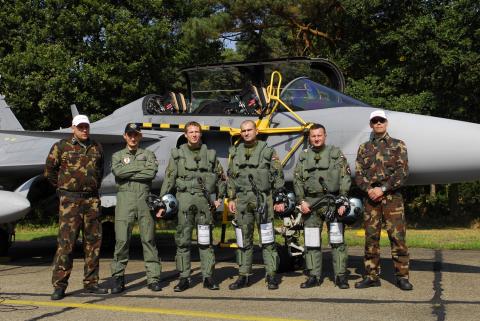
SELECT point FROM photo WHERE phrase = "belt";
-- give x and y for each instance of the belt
(62, 192)
(191, 192)
(314, 194)
(318, 194)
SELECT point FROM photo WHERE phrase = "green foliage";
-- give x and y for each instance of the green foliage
(418, 56)
(99, 55)
(269, 28)
(413, 56)
(440, 210)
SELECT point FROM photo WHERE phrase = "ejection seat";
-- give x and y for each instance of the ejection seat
(262, 97)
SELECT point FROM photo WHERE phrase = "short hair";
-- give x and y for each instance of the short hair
(248, 121)
(316, 126)
(192, 123)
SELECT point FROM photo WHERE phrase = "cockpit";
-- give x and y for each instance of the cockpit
(240, 88)
(304, 94)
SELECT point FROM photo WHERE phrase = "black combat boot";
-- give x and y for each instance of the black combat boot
(182, 285)
(58, 294)
(272, 283)
(310, 282)
(342, 282)
(367, 282)
(241, 282)
(155, 286)
(209, 283)
(95, 289)
(404, 284)
(118, 285)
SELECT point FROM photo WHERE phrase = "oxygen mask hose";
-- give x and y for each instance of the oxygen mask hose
(261, 200)
(206, 194)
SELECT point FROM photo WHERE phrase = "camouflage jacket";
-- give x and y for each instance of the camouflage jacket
(329, 165)
(381, 162)
(183, 170)
(73, 167)
(263, 165)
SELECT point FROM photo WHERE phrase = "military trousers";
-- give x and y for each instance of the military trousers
(132, 206)
(390, 211)
(313, 255)
(75, 215)
(193, 209)
(247, 218)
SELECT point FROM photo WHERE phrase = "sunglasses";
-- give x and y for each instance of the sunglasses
(378, 120)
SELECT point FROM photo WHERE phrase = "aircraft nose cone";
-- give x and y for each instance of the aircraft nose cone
(14, 206)
(439, 150)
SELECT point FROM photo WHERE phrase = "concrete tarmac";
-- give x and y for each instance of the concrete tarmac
(446, 287)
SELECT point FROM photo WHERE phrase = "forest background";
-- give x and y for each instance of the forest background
(414, 56)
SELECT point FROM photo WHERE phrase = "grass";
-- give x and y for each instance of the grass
(447, 238)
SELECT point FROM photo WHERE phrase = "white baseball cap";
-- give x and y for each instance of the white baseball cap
(378, 113)
(80, 119)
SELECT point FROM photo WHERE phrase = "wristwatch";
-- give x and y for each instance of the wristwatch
(384, 189)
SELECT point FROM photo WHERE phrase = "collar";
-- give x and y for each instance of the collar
(83, 144)
(252, 145)
(318, 149)
(385, 137)
(193, 149)
(132, 152)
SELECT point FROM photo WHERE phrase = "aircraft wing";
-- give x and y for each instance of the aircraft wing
(103, 138)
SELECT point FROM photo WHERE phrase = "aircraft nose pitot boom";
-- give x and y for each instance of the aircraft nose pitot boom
(439, 150)
(14, 206)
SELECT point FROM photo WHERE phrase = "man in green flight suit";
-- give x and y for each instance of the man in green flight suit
(195, 173)
(254, 170)
(322, 167)
(134, 169)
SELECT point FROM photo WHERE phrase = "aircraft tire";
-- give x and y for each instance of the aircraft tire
(287, 263)
(108, 235)
(4, 242)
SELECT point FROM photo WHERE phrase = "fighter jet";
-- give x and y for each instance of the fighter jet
(284, 97)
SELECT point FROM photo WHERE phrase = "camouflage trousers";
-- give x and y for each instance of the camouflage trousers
(193, 209)
(390, 211)
(77, 214)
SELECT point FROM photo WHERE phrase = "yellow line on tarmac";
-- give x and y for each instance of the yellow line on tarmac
(119, 308)
(362, 233)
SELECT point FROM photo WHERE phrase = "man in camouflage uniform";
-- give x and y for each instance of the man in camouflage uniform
(381, 171)
(253, 160)
(74, 167)
(321, 165)
(195, 173)
(134, 169)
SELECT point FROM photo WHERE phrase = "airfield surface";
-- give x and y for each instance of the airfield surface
(446, 287)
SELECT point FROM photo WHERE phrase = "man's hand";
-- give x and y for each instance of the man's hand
(232, 207)
(279, 208)
(304, 207)
(160, 213)
(341, 210)
(375, 194)
(217, 203)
